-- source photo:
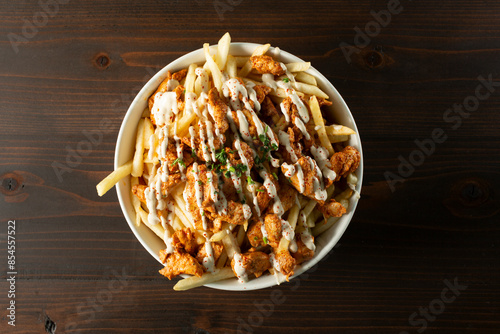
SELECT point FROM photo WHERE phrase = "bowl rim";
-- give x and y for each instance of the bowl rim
(338, 228)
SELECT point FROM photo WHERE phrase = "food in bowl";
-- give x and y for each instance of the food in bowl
(236, 169)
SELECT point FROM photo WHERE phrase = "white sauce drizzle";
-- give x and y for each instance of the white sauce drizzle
(165, 104)
(239, 269)
(199, 194)
(321, 156)
(285, 141)
(305, 235)
(151, 204)
(209, 260)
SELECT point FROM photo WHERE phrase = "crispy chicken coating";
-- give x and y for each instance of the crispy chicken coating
(253, 263)
(273, 227)
(220, 110)
(202, 253)
(286, 262)
(185, 240)
(331, 208)
(266, 64)
(254, 234)
(345, 162)
(303, 253)
(262, 91)
(181, 263)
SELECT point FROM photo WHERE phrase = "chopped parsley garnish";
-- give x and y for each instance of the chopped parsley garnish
(260, 190)
(200, 183)
(265, 240)
(249, 180)
(179, 161)
(286, 80)
(255, 238)
(275, 176)
(221, 156)
(238, 191)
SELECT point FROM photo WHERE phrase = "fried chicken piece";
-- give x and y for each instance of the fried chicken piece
(220, 110)
(235, 158)
(172, 157)
(307, 177)
(286, 262)
(235, 213)
(345, 162)
(303, 253)
(138, 190)
(181, 263)
(323, 102)
(263, 198)
(273, 227)
(268, 109)
(166, 187)
(287, 194)
(262, 91)
(331, 208)
(266, 64)
(199, 146)
(202, 253)
(253, 263)
(254, 234)
(185, 240)
(162, 88)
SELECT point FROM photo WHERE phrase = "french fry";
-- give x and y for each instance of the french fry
(190, 78)
(319, 122)
(310, 89)
(136, 203)
(337, 139)
(223, 51)
(216, 73)
(338, 130)
(231, 67)
(138, 164)
(194, 281)
(259, 51)
(156, 228)
(113, 178)
(322, 227)
(230, 245)
(305, 78)
(148, 131)
(298, 67)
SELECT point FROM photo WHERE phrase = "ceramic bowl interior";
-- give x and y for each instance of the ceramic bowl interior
(125, 150)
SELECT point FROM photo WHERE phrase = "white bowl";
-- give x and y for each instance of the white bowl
(126, 143)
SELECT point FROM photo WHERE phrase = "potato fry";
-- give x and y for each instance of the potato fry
(292, 220)
(319, 122)
(194, 281)
(190, 78)
(337, 139)
(216, 73)
(310, 90)
(305, 78)
(231, 67)
(241, 61)
(113, 178)
(223, 51)
(138, 162)
(338, 130)
(148, 131)
(298, 67)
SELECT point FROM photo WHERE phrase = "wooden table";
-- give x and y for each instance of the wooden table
(423, 84)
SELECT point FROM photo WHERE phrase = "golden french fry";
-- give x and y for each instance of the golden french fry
(190, 78)
(305, 78)
(231, 67)
(113, 178)
(223, 51)
(320, 124)
(137, 164)
(337, 139)
(310, 90)
(338, 130)
(298, 67)
(194, 281)
(216, 73)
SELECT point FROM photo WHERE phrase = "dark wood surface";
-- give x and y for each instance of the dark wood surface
(86, 63)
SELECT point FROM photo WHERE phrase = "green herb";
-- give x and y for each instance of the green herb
(275, 176)
(238, 191)
(274, 146)
(286, 80)
(203, 213)
(184, 91)
(200, 183)
(209, 179)
(265, 240)
(255, 238)
(260, 190)
(249, 180)
(227, 174)
(243, 201)
(221, 156)
(179, 161)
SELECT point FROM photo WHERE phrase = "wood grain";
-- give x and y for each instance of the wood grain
(89, 60)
